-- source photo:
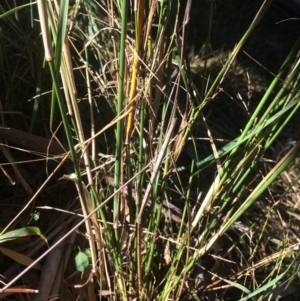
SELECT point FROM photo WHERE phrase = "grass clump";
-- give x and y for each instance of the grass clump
(138, 169)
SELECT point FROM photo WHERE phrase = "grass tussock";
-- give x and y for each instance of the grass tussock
(140, 163)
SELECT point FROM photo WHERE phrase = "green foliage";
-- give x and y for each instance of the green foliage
(81, 261)
(20, 233)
